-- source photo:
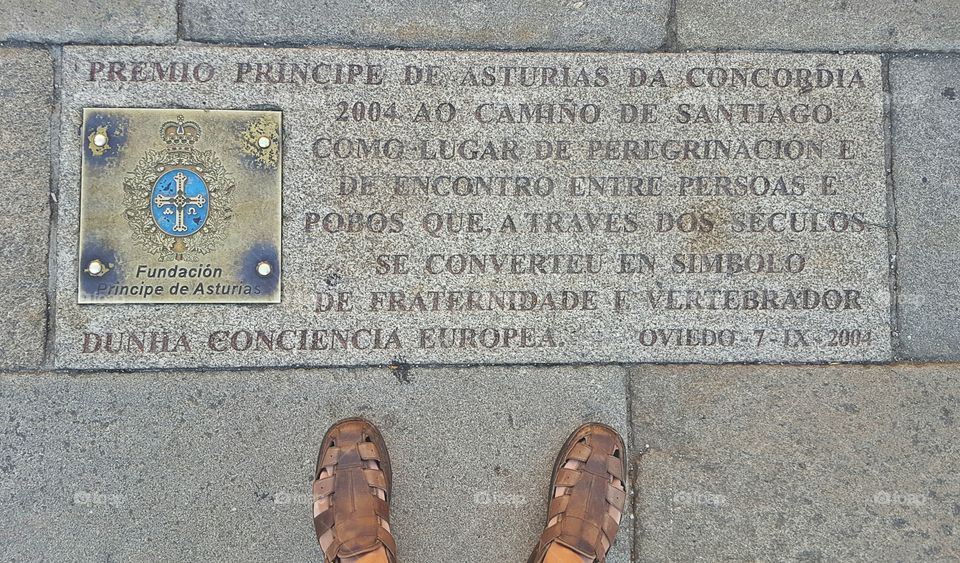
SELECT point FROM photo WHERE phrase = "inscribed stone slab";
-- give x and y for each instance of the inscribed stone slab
(815, 463)
(450, 207)
(92, 21)
(26, 88)
(834, 25)
(926, 134)
(502, 24)
(208, 466)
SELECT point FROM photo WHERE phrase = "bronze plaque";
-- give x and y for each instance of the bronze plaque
(180, 206)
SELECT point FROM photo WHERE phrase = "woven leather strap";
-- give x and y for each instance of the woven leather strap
(585, 524)
(355, 509)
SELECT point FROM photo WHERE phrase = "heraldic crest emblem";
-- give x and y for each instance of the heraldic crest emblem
(177, 199)
(180, 205)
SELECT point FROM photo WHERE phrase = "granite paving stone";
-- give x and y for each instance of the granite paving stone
(26, 88)
(90, 21)
(926, 171)
(216, 466)
(826, 463)
(819, 25)
(502, 24)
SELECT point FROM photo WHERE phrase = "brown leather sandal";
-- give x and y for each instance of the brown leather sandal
(585, 524)
(355, 511)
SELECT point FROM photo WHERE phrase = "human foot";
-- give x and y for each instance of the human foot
(351, 495)
(587, 498)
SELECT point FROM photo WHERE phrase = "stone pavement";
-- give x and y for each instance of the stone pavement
(217, 466)
(27, 76)
(734, 462)
(816, 463)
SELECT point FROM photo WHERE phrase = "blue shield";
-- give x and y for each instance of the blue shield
(180, 202)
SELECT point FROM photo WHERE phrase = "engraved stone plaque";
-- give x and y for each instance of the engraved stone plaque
(179, 206)
(465, 207)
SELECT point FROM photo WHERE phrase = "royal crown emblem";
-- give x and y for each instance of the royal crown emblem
(178, 198)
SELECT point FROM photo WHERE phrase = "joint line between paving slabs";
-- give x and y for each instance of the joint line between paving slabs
(99, 369)
(633, 468)
(56, 54)
(893, 240)
(670, 42)
(667, 48)
(179, 13)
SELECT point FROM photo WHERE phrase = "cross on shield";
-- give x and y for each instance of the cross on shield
(180, 193)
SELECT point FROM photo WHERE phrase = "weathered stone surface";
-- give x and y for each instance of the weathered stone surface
(65, 21)
(26, 87)
(789, 463)
(884, 25)
(503, 24)
(926, 171)
(217, 466)
(773, 250)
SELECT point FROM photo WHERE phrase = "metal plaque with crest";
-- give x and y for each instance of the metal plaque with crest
(180, 206)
